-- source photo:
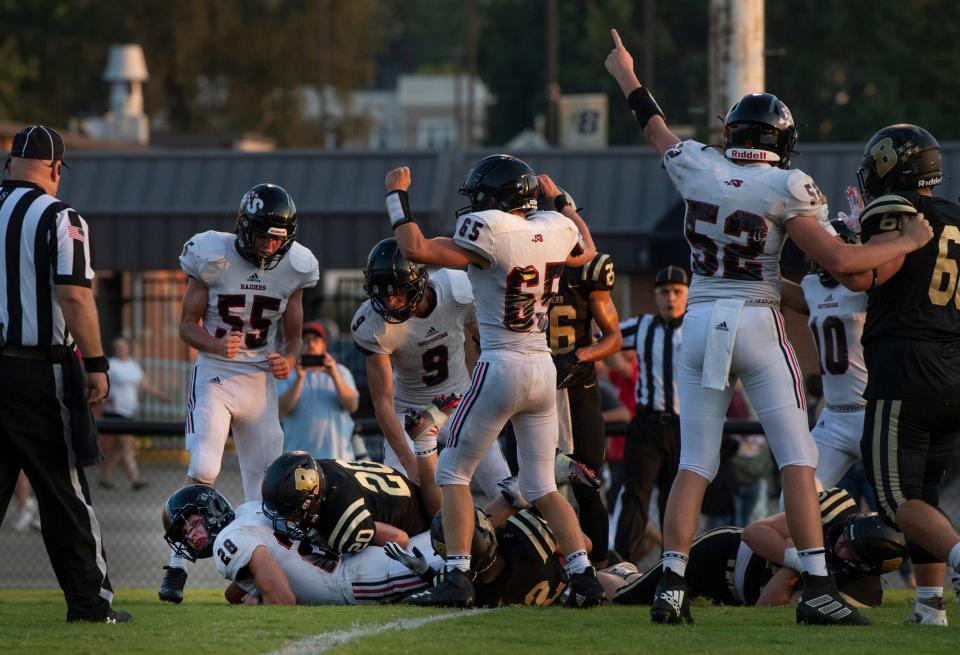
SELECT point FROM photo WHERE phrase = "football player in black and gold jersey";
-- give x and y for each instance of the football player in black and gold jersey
(514, 564)
(341, 506)
(911, 344)
(583, 299)
(758, 566)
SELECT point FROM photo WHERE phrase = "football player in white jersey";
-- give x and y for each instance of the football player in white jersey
(836, 317)
(742, 203)
(267, 567)
(514, 256)
(418, 331)
(243, 299)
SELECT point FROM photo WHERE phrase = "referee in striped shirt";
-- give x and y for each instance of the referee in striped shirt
(651, 452)
(47, 306)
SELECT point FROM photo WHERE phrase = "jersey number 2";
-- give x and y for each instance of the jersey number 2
(739, 259)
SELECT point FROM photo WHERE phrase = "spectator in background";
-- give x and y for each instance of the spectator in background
(126, 381)
(315, 405)
(28, 514)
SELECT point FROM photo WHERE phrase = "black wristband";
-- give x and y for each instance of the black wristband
(96, 364)
(643, 106)
(398, 208)
(560, 202)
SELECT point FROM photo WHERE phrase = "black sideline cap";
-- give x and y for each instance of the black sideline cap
(38, 142)
(671, 275)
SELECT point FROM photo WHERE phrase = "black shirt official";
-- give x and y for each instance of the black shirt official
(46, 308)
(651, 454)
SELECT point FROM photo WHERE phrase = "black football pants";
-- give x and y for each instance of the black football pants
(906, 447)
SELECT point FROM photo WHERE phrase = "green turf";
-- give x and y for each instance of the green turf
(32, 621)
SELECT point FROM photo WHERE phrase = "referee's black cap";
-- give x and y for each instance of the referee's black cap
(38, 142)
(671, 275)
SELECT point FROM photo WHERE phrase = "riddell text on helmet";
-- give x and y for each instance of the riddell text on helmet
(755, 155)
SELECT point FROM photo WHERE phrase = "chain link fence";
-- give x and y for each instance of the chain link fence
(144, 308)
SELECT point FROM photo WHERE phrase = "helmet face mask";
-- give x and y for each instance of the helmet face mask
(266, 210)
(389, 274)
(875, 548)
(483, 547)
(500, 182)
(293, 489)
(900, 157)
(760, 128)
(193, 500)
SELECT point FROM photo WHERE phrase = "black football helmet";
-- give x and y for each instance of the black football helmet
(293, 489)
(900, 157)
(500, 182)
(848, 236)
(389, 273)
(267, 210)
(186, 502)
(759, 128)
(483, 548)
(876, 547)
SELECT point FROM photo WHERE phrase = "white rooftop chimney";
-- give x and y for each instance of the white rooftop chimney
(126, 71)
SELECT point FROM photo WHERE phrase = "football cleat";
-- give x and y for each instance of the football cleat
(174, 580)
(585, 590)
(671, 601)
(454, 589)
(112, 616)
(821, 604)
(928, 611)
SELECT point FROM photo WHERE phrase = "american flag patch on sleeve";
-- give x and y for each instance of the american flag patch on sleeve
(76, 232)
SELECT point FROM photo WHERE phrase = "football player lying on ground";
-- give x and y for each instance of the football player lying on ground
(860, 548)
(270, 568)
(517, 563)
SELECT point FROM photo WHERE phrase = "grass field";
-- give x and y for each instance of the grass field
(32, 621)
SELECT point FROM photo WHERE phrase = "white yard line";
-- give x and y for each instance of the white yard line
(325, 641)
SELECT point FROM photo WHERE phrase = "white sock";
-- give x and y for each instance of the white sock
(177, 561)
(674, 560)
(954, 557)
(577, 562)
(814, 561)
(929, 592)
(461, 562)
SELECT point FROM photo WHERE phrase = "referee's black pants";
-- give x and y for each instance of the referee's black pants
(651, 456)
(589, 447)
(35, 437)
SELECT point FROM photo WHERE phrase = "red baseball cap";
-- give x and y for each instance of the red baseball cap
(316, 327)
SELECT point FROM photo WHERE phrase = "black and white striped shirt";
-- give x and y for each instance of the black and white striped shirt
(657, 342)
(43, 242)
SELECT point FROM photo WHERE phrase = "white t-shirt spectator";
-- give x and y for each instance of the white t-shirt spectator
(125, 377)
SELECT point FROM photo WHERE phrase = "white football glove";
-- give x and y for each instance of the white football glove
(570, 470)
(510, 488)
(413, 560)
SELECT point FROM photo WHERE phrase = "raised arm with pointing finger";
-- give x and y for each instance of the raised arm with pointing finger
(619, 64)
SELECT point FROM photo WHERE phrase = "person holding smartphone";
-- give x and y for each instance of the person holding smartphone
(316, 403)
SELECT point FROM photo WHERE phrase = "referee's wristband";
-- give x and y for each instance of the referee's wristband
(643, 106)
(398, 208)
(96, 364)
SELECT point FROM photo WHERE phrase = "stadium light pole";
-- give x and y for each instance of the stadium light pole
(735, 56)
